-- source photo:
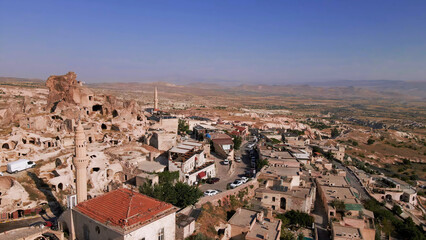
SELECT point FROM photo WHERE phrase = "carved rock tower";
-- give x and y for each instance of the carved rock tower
(80, 161)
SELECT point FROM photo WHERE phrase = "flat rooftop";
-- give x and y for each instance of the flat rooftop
(339, 193)
(277, 154)
(333, 180)
(243, 217)
(185, 147)
(150, 166)
(346, 232)
(269, 229)
(297, 192)
(282, 171)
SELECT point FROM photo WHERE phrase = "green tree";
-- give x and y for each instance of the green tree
(260, 163)
(339, 205)
(387, 227)
(397, 210)
(237, 142)
(183, 127)
(179, 194)
(334, 133)
(168, 177)
(296, 218)
(370, 141)
(186, 195)
(286, 235)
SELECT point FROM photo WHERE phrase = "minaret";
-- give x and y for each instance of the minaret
(155, 99)
(80, 161)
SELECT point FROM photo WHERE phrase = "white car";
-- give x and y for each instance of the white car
(238, 159)
(226, 162)
(244, 179)
(211, 192)
(236, 183)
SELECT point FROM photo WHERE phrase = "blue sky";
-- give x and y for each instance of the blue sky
(242, 41)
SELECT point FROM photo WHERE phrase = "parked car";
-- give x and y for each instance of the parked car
(236, 183)
(212, 180)
(211, 192)
(238, 159)
(225, 162)
(38, 224)
(250, 173)
(244, 179)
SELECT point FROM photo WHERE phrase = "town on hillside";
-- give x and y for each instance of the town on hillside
(82, 162)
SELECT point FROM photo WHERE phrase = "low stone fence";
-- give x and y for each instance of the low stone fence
(251, 186)
(29, 233)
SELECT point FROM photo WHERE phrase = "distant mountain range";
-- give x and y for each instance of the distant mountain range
(337, 88)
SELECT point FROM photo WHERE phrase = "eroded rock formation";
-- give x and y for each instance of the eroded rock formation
(66, 88)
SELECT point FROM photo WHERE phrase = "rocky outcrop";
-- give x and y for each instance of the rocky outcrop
(66, 88)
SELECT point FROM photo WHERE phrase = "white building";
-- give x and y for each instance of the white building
(190, 160)
(121, 214)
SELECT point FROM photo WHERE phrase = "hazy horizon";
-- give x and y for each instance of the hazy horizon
(252, 42)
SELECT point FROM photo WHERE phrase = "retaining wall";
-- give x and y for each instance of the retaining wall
(224, 196)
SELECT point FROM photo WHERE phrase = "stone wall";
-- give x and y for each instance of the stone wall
(223, 196)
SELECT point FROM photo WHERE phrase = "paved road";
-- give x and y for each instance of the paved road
(320, 217)
(26, 222)
(222, 172)
(353, 181)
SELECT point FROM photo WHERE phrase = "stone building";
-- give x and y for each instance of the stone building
(223, 145)
(252, 225)
(190, 160)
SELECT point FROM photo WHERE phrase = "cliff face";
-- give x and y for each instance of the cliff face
(66, 88)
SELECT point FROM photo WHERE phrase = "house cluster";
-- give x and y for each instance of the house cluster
(345, 213)
(190, 159)
(285, 185)
(389, 189)
(253, 225)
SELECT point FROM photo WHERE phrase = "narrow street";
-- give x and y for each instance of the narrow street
(222, 171)
(320, 219)
(7, 226)
(353, 181)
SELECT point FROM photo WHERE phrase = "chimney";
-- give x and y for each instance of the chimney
(259, 217)
(150, 157)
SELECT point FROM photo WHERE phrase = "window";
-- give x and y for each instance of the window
(273, 199)
(161, 234)
(98, 230)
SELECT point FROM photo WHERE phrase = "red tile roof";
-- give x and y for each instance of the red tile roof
(223, 141)
(240, 128)
(124, 208)
(235, 133)
(151, 148)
